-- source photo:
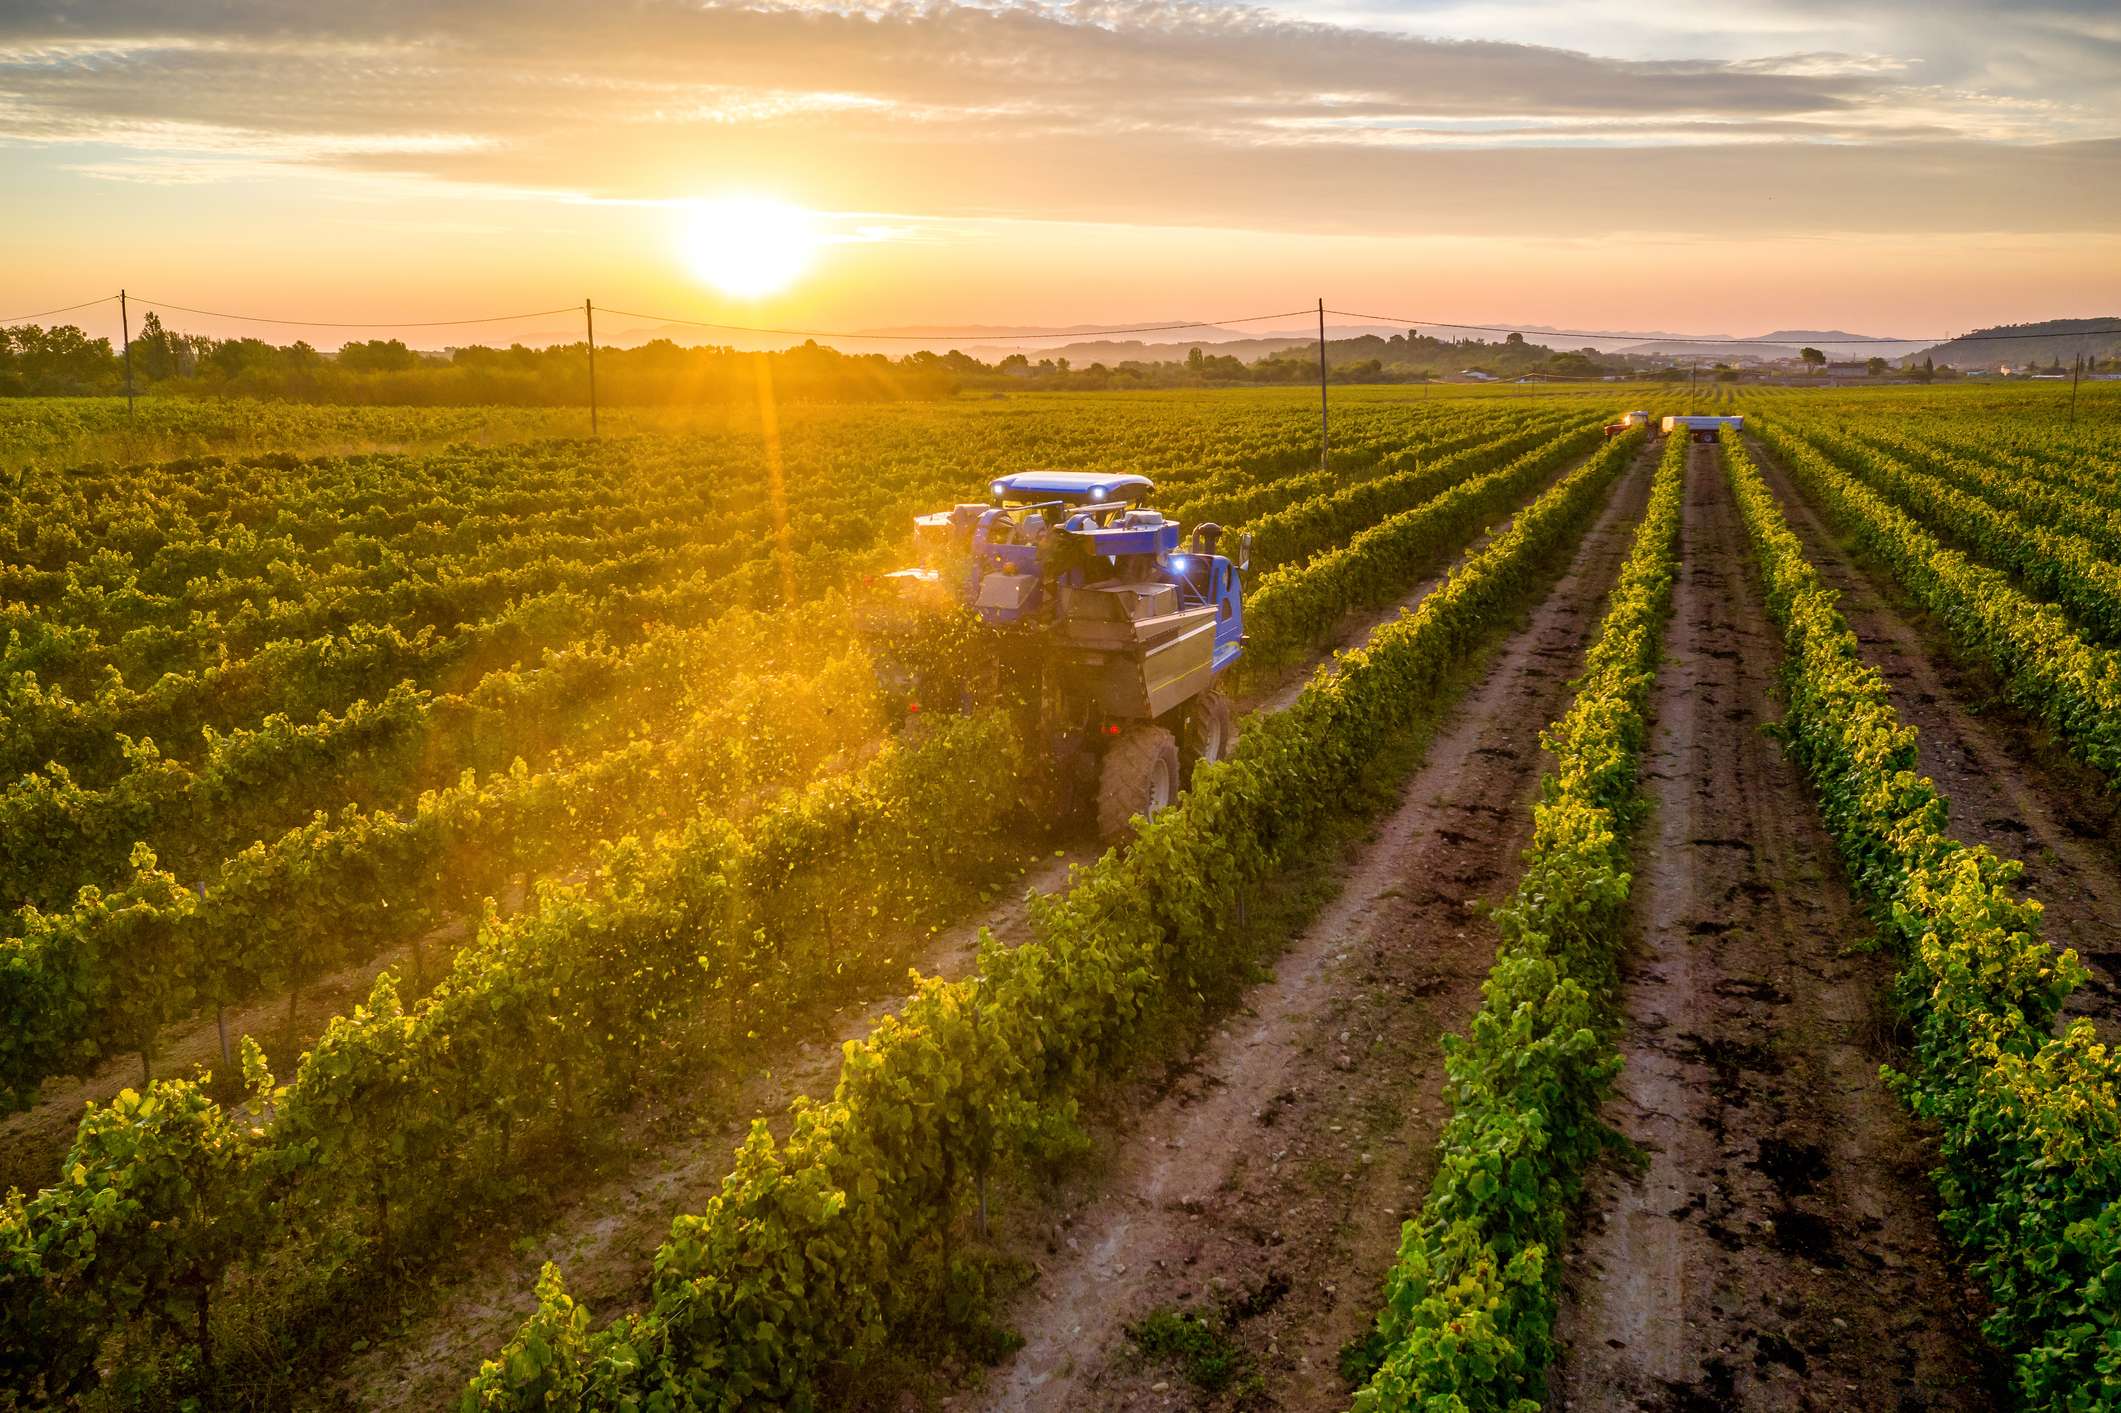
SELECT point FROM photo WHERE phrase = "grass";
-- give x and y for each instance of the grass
(1200, 1347)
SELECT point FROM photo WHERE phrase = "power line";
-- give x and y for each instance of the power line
(47, 313)
(334, 324)
(1000, 335)
(1004, 335)
(1681, 338)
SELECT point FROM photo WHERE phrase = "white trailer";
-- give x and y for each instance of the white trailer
(1703, 429)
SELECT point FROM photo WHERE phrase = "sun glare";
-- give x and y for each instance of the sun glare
(750, 246)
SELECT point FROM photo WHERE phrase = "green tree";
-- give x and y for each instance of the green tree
(62, 359)
(1875, 367)
(1813, 358)
(378, 356)
(155, 349)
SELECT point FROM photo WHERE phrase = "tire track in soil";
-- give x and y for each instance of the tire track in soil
(1780, 1251)
(2023, 801)
(612, 1222)
(1272, 1178)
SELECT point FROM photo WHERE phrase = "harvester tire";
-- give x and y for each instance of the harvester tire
(1139, 777)
(1210, 734)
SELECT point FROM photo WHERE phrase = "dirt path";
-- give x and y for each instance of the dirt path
(2023, 801)
(1780, 1251)
(1270, 1182)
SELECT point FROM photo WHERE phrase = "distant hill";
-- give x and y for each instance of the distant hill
(1837, 344)
(1683, 348)
(1111, 352)
(2042, 342)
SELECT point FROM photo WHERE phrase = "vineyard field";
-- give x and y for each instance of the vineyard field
(503, 919)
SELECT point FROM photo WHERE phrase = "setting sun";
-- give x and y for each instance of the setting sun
(749, 246)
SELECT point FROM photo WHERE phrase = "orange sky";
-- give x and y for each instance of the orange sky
(1887, 168)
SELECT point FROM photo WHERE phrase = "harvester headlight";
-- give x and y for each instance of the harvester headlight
(1180, 564)
(997, 489)
(1098, 492)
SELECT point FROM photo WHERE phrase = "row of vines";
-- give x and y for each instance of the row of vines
(744, 840)
(2028, 1120)
(1468, 1314)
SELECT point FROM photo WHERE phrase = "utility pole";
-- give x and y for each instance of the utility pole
(2076, 370)
(125, 331)
(1325, 438)
(589, 318)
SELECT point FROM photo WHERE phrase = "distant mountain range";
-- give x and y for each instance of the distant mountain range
(1838, 345)
(990, 343)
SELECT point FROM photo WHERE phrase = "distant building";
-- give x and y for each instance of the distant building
(1474, 375)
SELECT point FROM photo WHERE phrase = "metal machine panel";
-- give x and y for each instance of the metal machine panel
(1129, 539)
(1178, 668)
(1004, 596)
(1171, 660)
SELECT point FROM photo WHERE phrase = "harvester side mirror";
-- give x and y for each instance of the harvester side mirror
(1244, 551)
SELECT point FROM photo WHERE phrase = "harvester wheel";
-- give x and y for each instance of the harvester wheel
(1140, 777)
(1211, 732)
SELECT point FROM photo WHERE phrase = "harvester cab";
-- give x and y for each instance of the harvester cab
(1110, 634)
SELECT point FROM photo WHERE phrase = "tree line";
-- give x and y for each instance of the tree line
(65, 361)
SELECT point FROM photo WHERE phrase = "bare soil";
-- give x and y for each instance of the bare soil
(1265, 1185)
(1778, 1249)
(2010, 786)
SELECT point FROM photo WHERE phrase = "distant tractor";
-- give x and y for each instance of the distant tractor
(1704, 429)
(1107, 637)
(1633, 419)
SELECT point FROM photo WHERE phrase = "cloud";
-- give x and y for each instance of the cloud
(1097, 109)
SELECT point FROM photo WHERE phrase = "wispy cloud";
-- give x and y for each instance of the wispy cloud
(1088, 109)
